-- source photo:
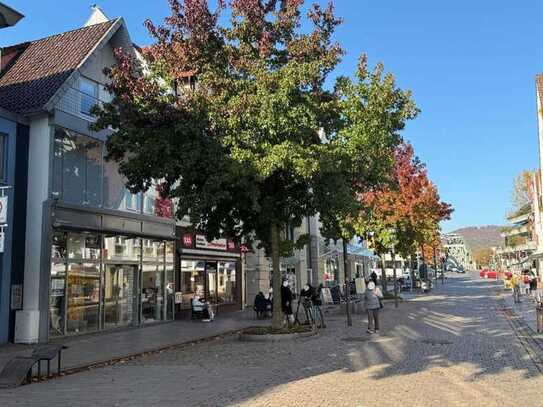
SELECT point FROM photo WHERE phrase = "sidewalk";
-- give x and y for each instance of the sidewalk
(97, 348)
(525, 310)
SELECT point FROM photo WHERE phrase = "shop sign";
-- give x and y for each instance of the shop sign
(231, 245)
(217, 244)
(3, 209)
(327, 296)
(187, 240)
(178, 297)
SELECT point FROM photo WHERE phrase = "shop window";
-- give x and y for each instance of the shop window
(58, 247)
(153, 289)
(226, 279)
(83, 298)
(83, 246)
(57, 299)
(122, 248)
(192, 281)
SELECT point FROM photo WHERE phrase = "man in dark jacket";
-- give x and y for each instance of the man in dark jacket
(373, 277)
(286, 302)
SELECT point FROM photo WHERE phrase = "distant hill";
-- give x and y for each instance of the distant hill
(479, 237)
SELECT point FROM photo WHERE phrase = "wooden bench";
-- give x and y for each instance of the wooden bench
(20, 368)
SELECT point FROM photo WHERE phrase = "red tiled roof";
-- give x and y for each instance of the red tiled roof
(44, 65)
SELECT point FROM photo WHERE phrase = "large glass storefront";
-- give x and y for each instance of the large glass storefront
(104, 281)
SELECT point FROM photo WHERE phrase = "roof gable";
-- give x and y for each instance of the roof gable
(39, 71)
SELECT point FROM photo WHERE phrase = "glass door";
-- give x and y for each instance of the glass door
(120, 295)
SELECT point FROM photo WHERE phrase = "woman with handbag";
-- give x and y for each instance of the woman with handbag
(372, 302)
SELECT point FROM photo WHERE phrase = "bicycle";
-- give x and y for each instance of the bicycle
(313, 314)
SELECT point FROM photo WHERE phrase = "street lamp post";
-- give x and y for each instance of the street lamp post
(394, 274)
(347, 283)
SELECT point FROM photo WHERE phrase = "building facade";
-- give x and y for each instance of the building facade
(319, 262)
(13, 182)
(537, 196)
(458, 252)
(97, 256)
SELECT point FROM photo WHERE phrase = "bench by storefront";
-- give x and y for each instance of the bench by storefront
(20, 369)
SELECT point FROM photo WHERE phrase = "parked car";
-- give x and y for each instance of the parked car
(492, 274)
(482, 273)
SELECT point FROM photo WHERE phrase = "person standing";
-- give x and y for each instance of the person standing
(286, 302)
(372, 302)
(515, 286)
(373, 277)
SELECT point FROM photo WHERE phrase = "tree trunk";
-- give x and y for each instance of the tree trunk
(277, 321)
(412, 266)
(383, 275)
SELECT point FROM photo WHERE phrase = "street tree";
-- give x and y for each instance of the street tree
(410, 206)
(372, 112)
(240, 151)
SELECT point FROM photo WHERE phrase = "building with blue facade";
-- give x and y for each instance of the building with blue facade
(13, 185)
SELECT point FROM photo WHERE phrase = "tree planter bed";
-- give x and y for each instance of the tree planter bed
(268, 334)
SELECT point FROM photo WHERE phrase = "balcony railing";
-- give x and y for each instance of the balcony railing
(79, 104)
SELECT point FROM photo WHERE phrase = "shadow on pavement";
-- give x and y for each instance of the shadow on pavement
(456, 324)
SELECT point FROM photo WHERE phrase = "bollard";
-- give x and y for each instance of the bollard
(539, 317)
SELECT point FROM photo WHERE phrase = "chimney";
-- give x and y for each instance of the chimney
(97, 16)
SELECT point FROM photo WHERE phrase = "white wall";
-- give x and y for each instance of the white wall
(38, 190)
(27, 322)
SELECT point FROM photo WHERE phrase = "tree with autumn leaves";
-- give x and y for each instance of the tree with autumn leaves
(260, 142)
(407, 211)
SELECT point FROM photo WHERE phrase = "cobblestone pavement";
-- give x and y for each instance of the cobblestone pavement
(453, 347)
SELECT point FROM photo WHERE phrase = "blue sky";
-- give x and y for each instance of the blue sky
(470, 64)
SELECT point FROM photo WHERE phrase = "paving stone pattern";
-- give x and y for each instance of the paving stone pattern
(452, 347)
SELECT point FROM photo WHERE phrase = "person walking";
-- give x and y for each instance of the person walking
(372, 302)
(515, 286)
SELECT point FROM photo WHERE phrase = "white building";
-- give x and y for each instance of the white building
(459, 253)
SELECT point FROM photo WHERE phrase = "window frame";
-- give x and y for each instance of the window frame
(95, 85)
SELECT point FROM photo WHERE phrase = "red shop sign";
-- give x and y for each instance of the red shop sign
(187, 240)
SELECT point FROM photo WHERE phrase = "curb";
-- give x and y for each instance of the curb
(276, 337)
(131, 356)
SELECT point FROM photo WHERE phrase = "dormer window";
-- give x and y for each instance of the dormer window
(89, 95)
